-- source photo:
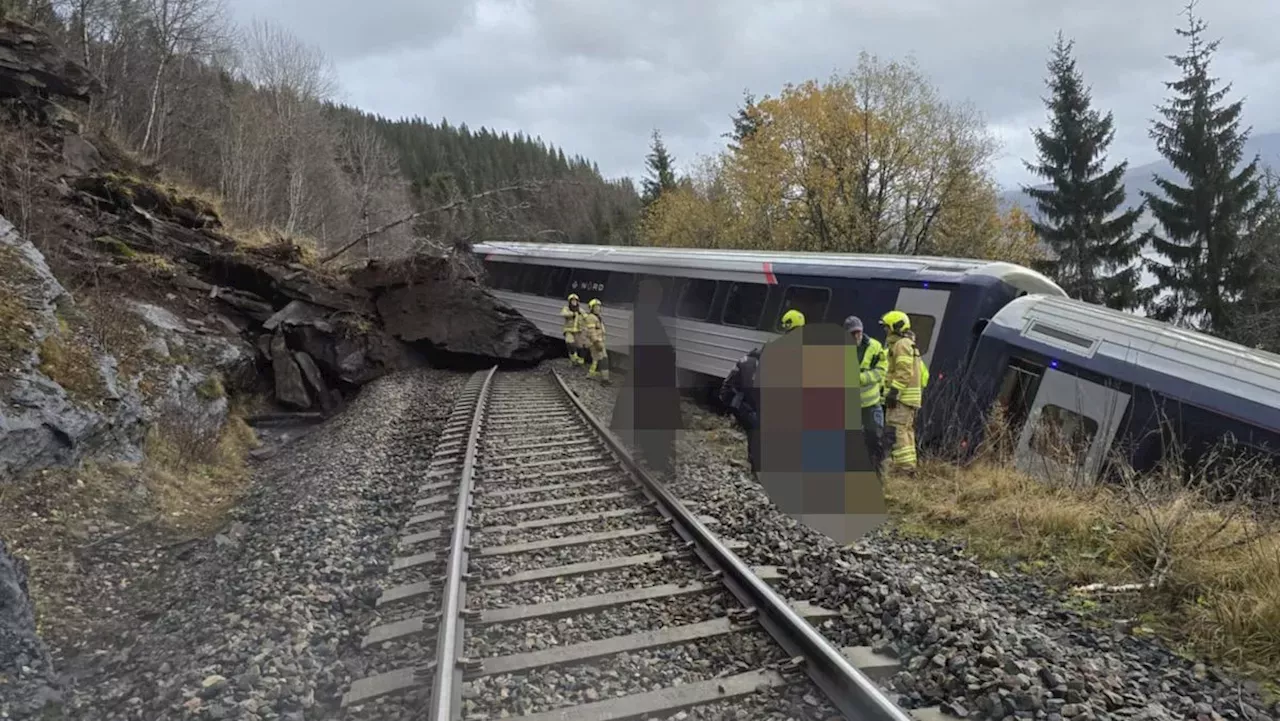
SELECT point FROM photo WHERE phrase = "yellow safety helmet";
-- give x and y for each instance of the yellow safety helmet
(593, 303)
(792, 319)
(896, 321)
(573, 296)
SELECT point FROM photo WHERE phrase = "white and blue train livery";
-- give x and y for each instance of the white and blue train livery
(719, 304)
(1117, 383)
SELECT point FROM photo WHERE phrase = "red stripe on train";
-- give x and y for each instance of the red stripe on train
(769, 277)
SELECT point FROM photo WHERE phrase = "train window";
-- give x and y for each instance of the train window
(810, 300)
(504, 276)
(534, 279)
(620, 289)
(557, 282)
(669, 290)
(923, 327)
(1017, 390)
(696, 299)
(745, 304)
(1064, 435)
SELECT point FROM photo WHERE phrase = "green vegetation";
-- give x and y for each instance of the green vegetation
(1095, 252)
(210, 389)
(444, 162)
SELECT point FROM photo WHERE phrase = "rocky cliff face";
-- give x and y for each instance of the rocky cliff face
(135, 308)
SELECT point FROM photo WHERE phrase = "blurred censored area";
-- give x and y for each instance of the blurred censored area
(646, 413)
(814, 462)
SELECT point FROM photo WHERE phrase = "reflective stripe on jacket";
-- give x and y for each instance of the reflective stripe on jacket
(872, 370)
(572, 320)
(905, 370)
(593, 326)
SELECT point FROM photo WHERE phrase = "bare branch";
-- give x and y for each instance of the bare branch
(429, 211)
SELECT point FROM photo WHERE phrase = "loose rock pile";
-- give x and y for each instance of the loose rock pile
(981, 644)
(261, 621)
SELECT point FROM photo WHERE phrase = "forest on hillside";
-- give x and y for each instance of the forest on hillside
(246, 116)
(561, 198)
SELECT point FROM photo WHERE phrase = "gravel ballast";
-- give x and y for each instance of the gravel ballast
(980, 643)
(266, 623)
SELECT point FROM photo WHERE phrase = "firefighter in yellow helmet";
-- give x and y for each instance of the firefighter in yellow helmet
(573, 315)
(904, 385)
(593, 327)
(791, 320)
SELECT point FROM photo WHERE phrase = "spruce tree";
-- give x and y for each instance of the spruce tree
(745, 122)
(1208, 262)
(662, 175)
(1094, 251)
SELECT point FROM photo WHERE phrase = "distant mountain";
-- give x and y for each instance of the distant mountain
(1136, 179)
(1265, 145)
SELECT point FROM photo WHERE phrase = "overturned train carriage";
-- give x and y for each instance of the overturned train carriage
(1082, 385)
(719, 304)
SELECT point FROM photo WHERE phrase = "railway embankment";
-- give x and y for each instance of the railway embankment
(968, 586)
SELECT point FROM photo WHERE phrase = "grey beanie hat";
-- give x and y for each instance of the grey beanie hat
(852, 323)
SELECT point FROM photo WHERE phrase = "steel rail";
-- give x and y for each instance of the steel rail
(856, 696)
(447, 688)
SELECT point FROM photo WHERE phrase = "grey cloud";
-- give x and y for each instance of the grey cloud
(350, 30)
(595, 77)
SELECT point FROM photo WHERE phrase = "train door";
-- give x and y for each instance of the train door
(927, 309)
(1070, 427)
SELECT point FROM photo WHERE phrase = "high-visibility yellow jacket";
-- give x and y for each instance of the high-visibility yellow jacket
(871, 371)
(593, 327)
(572, 319)
(907, 371)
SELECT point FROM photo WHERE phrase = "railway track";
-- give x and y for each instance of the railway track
(545, 576)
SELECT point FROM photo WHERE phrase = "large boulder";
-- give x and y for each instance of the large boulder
(435, 300)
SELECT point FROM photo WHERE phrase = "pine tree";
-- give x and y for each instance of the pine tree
(1209, 265)
(745, 122)
(662, 176)
(1094, 252)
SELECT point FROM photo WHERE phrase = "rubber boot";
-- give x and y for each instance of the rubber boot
(604, 376)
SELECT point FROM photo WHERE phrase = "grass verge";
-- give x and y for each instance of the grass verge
(1204, 575)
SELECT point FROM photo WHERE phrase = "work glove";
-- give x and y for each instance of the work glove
(891, 400)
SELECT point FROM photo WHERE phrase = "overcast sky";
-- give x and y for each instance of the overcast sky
(596, 76)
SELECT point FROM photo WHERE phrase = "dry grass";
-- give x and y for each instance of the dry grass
(1205, 574)
(16, 317)
(195, 473)
(191, 476)
(69, 361)
(277, 244)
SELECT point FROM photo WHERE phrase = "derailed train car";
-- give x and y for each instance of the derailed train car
(719, 304)
(1118, 385)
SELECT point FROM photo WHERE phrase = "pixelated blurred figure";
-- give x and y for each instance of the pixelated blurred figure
(646, 413)
(904, 388)
(593, 329)
(815, 460)
(572, 315)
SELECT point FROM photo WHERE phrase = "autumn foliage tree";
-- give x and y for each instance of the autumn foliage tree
(870, 161)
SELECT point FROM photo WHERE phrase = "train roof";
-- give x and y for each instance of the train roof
(762, 266)
(1227, 377)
